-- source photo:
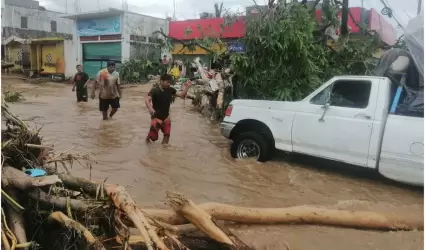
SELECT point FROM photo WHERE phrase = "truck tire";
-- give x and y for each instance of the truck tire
(246, 143)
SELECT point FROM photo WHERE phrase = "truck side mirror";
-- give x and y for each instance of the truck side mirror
(325, 108)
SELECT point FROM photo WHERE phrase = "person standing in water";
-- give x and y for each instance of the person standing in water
(80, 81)
(109, 90)
(158, 102)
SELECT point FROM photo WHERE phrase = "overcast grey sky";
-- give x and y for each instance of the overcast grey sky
(186, 9)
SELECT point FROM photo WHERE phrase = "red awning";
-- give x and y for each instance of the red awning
(206, 27)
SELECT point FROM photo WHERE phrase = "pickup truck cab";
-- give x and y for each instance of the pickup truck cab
(349, 119)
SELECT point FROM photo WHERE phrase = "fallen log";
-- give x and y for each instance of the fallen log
(72, 224)
(197, 217)
(17, 179)
(295, 215)
(58, 202)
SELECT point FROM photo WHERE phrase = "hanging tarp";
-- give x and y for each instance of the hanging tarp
(414, 38)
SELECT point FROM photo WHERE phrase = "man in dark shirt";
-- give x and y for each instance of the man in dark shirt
(158, 102)
(80, 81)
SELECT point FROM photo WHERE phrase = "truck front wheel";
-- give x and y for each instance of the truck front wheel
(251, 145)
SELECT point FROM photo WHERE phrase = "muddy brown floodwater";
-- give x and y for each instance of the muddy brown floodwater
(197, 163)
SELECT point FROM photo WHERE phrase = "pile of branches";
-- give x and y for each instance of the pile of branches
(57, 210)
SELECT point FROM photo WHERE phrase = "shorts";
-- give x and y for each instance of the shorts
(156, 125)
(105, 103)
(82, 95)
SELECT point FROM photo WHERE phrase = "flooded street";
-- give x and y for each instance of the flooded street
(197, 163)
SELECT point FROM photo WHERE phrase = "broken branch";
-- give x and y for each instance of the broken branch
(72, 224)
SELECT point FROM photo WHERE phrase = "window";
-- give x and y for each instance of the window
(345, 93)
(137, 38)
(24, 22)
(322, 97)
(53, 26)
(154, 40)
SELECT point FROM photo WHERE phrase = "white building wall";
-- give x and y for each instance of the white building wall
(37, 19)
(131, 23)
(140, 25)
(125, 34)
(71, 57)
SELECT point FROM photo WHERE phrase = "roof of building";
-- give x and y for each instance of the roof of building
(102, 13)
(94, 14)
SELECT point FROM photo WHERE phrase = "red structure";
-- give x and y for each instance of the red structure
(213, 27)
(383, 27)
(355, 12)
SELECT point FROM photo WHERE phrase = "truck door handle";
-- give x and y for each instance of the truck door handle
(362, 115)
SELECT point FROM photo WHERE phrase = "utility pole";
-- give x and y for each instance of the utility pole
(174, 12)
(344, 18)
(419, 6)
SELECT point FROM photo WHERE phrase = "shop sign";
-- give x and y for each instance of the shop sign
(237, 47)
(99, 27)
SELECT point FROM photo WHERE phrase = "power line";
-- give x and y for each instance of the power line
(388, 11)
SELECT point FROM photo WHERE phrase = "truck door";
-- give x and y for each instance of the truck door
(337, 123)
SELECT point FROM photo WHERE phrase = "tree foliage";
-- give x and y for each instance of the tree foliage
(139, 64)
(287, 55)
(282, 59)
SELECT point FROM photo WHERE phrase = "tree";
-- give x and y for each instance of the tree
(218, 9)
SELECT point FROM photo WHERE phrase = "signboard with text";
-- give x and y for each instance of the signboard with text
(99, 27)
(236, 46)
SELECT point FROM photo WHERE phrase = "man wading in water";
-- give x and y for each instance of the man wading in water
(158, 102)
(109, 90)
(80, 81)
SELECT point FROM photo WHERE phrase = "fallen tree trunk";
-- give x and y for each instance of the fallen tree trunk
(298, 215)
(57, 201)
(197, 217)
(203, 221)
(72, 224)
(17, 179)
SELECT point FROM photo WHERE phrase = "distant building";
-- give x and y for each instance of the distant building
(189, 30)
(35, 38)
(113, 35)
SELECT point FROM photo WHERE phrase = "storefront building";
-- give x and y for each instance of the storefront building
(108, 36)
(211, 27)
(40, 56)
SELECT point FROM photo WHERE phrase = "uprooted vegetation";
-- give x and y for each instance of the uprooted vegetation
(13, 96)
(57, 210)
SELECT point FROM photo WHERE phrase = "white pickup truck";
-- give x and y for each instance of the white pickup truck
(348, 119)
